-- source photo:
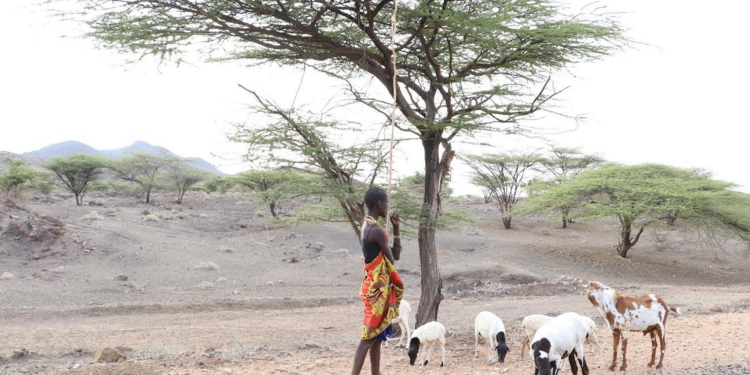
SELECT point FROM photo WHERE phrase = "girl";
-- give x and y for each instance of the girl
(382, 287)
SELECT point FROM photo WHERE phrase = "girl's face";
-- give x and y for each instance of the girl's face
(383, 208)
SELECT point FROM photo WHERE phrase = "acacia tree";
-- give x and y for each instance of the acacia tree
(504, 177)
(76, 171)
(562, 164)
(464, 66)
(270, 186)
(307, 143)
(640, 195)
(16, 174)
(142, 169)
(182, 177)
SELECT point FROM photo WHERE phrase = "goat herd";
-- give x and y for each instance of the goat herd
(554, 339)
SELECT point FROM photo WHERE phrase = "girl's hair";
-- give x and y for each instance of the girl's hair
(373, 195)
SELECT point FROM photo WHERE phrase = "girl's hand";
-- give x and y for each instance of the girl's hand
(395, 219)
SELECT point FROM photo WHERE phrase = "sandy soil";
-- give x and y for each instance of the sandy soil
(211, 288)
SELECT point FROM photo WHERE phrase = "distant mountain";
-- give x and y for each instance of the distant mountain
(138, 146)
(75, 147)
(63, 149)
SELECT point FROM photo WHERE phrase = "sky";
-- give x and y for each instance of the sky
(678, 97)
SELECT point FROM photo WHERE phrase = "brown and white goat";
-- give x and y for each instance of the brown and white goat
(647, 314)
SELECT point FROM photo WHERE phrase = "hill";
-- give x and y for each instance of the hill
(75, 147)
(63, 149)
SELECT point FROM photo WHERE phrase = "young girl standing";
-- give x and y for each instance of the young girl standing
(382, 288)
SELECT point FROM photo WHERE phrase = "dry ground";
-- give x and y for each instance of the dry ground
(210, 287)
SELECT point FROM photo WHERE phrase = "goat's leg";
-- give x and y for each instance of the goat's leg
(429, 352)
(653, 349)
(403, 332)
(616, 338)
(489, 349)
(662, 340)
(624, 366)
(442, 349)
(573, 366)
(476, 343)
(584, 366)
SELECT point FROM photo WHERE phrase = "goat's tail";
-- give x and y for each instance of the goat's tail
(675, 310)
(524, 344)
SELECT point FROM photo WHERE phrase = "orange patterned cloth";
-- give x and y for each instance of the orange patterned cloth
(381, 293)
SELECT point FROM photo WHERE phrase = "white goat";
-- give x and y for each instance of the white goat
(403, 322)
(428, 335)
(562, 337)
(490, 326)
(532, 323)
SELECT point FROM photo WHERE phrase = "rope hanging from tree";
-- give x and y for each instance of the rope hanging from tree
(393, 114)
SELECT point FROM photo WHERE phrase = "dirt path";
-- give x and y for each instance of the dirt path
(284, 300)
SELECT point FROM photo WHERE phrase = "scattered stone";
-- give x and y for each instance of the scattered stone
(109, 355)
(317, 247)
(77, 365)
(227, 370)
(20, 353)
(206, 266)
(91, 216)
(96, 203)
(121, 277)
(205, 285)
(226, 249)
(146, 212)
(203, 215)
(342, 253)
(135, 287)
(6, 276)
(148, 218)
(310, 345)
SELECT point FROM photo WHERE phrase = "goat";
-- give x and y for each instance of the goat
(647, 314)
(489, 325)
(428, 335)
(562, 337)
(403, 322)
(532, 323)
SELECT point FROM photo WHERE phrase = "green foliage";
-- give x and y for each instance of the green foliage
(76, 171)
(273, 186)
(503, 178)
(218, 184)
(143, 169)
(641, 195)
(407, 201)
(181, 177)
(17, 173)
(560, 165)
(44, 182)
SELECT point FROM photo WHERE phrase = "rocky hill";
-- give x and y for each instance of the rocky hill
(75, 147)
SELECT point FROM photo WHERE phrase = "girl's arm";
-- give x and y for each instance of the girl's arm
(396, 236)
(379, 238)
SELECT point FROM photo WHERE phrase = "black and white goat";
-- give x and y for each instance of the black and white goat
(562, 337)
(489, 326)
(427, 336)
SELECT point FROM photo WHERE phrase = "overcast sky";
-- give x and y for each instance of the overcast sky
(681, 101)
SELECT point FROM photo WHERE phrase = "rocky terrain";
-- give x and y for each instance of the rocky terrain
(210, 286)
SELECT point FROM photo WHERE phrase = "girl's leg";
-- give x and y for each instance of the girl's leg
(375, 358)
(360, 354)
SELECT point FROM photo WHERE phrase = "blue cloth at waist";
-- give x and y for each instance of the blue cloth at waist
(383, 336)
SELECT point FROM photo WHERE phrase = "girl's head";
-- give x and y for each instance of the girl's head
(376, 200)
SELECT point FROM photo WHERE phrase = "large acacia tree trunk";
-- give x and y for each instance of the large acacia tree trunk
(432, 284)
(506, 222)
(626, 241)
(272, 207)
